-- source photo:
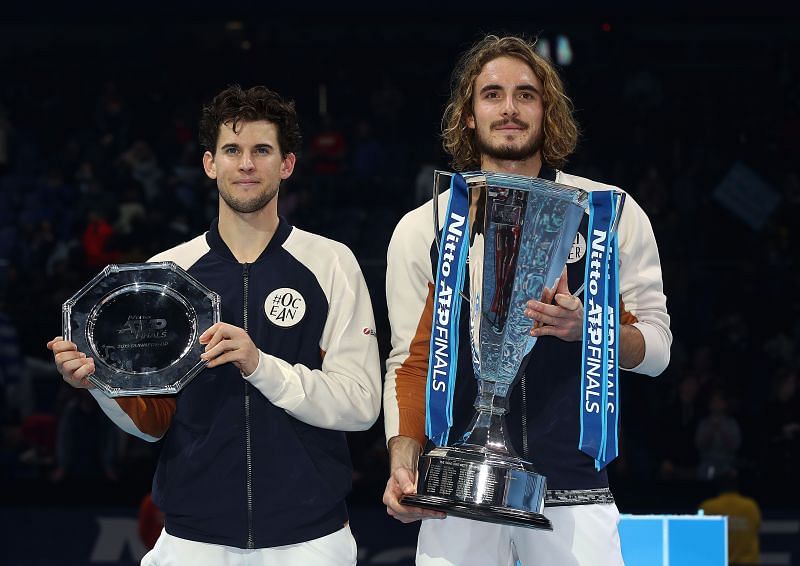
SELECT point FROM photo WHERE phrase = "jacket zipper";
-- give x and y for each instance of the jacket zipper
(248, 448)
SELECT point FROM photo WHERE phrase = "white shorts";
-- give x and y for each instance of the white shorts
(582, 535)
(335, 549)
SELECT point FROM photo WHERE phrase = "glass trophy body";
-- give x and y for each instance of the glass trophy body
(521, 232)
(140, 322)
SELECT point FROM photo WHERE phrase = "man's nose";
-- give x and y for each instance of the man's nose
(246, 163)
(510, 107)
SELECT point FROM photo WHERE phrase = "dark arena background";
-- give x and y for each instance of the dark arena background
(693, 109)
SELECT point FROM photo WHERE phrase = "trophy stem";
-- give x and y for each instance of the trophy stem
(487, 430)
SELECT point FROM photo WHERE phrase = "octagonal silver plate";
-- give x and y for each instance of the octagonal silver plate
(140, 322)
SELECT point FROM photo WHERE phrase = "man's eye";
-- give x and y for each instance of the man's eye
(230, 150)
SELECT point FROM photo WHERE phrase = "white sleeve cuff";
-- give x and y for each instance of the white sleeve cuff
(656, 351)
(277, 381)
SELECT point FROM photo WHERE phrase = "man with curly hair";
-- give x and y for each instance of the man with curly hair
(254, 467)
(508, 113)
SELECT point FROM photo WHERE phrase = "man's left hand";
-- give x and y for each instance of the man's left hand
(564, 319)
(227, 343)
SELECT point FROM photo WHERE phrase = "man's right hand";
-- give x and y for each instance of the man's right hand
(73, 365)
(404, 454)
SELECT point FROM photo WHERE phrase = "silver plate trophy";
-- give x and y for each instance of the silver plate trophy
(521, 232)
(141, 323)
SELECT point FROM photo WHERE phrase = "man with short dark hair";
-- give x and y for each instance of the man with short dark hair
(508, 113)
(255, 468)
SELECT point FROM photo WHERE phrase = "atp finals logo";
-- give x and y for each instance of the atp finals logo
(140, 327)
(285, 307)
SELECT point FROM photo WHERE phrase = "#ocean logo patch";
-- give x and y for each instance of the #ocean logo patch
(285, 307)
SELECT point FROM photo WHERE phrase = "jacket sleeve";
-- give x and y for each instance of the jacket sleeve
(145, 417)
(345, 393)
(409, 297)
(642, 288)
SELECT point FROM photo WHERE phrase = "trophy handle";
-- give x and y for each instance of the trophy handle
(618, 210)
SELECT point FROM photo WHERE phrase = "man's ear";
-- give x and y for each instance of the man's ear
(209, 166)
(287, 165)
(471, 121)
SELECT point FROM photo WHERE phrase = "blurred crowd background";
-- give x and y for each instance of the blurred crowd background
(695, 112)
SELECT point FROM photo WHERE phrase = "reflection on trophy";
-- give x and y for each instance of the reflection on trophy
(141, 323)
(506, 249)
(521, 231)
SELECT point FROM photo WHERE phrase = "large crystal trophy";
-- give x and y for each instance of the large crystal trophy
(140, 322)
(521, 230)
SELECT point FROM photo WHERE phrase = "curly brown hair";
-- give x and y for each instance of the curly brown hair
(235, 105)
(560, 127)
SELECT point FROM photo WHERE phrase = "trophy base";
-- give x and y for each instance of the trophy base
(477, 483)
(489, 514)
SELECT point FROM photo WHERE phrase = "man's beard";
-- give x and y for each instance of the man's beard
(252, 204)
(506, 152)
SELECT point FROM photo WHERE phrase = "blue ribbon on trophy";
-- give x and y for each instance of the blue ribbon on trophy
(599, 404)
(450, 271)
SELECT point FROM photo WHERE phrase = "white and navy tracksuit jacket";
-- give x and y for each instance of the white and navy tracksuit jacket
(261, 460)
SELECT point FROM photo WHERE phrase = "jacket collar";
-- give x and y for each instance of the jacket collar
(219, 247)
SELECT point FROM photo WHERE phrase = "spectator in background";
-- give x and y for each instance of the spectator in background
(732, 340)
(37, 244)
(38, 441)
(369, 154)
(131, 209)
(677, 431)
(86, 441)
(701, 368)
(652, 190)
(423, 182)
(97, 239)
(185, 179)
(387, 102)
(11, 363)
(718, 438)
(744, 519)
(328, 149)
(112, 118)
(85, 177)
(782, 456)
(143, 167)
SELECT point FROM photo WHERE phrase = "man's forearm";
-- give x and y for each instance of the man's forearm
(631, 346)
(404, 452)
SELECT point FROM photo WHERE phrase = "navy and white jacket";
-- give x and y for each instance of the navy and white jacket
(262, 460)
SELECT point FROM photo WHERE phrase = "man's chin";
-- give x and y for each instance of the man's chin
(510, 153)
(249, 206)
(510, 150)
